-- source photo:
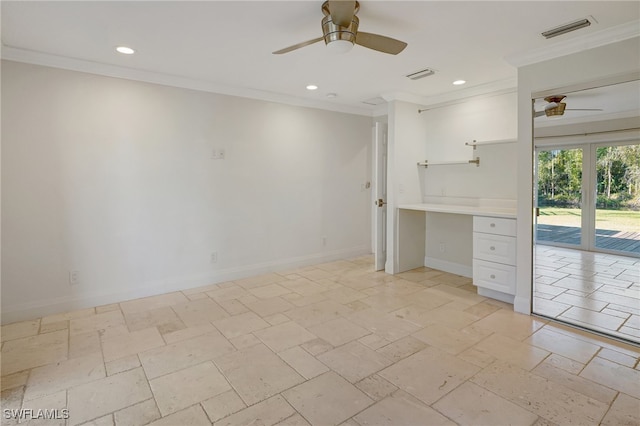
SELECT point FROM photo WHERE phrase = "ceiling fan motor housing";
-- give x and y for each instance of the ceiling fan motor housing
(333, 32)
(557, 110)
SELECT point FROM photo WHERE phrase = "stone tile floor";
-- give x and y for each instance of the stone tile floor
(598, 291)
(330, 344)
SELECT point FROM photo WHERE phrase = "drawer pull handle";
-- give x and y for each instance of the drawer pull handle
(492, 248)
(493, 225)
(493, 276)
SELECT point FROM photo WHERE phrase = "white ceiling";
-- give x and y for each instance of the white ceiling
(226, 46)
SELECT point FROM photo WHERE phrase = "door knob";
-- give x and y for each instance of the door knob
(380, 202)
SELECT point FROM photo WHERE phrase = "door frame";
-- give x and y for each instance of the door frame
(379, 227)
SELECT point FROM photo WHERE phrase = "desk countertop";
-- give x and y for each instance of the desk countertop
(504, 212)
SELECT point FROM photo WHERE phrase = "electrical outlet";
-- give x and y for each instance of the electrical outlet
(443, 247)
(74, 277)
(214, 257)
(324, 241)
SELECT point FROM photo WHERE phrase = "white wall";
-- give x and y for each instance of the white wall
(449, 243)
(589, 68)
(481, 119)
(406, 146)
(115, 179)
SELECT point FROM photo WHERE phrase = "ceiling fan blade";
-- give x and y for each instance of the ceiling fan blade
(584, 109)
(342, 12)
(380, 43)
(297, 46)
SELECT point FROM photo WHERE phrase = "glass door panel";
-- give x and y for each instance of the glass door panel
(559, 197)
(617, 209)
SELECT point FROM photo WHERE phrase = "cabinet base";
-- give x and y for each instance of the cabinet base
(498, 295)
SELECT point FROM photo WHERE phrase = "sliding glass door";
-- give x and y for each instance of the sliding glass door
(617, 204)
(559, 217)
(588, 197)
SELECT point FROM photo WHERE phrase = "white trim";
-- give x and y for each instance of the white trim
(498, 295)
(575, 45)
(494, 88)
(54, 61)
(522, 305)
(33, 310)
(587, 138)
(543, 124)
(446, 266)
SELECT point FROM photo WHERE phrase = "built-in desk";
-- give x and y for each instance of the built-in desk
(509, 213)
(500, 234)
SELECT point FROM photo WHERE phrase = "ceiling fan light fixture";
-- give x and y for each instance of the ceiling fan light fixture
(340, 46)
(340, 25)
(339, 39)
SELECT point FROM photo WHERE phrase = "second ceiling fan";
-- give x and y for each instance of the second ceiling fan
(340, 31)
(556, 107)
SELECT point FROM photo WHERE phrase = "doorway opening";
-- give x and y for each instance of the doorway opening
(587, 236)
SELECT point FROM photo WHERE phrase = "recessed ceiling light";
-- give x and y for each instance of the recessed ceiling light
(459, 82)
(125, 50)
(312, 87)
(332, 95)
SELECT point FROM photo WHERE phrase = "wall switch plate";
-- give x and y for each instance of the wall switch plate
(218, 154)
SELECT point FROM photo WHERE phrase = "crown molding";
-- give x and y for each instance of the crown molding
(621, 115)
(73, 64)
(567, 47)
(494, 88)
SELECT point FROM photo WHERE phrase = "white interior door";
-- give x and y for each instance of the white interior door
(380, 196)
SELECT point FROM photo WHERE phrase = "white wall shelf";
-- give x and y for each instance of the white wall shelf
(426, 163)
(476, 143)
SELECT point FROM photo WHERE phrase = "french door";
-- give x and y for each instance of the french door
(587, 197)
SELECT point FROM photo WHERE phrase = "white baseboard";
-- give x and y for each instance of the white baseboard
(522, 305)
(31, 310)
(503, 297)
(451, 267)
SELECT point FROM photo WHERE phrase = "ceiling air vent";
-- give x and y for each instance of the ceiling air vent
(421, 74)
(567, 28)
(374, 101)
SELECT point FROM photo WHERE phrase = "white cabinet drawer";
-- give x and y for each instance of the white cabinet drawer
(494, 248)
(494, 225)
(494, 276)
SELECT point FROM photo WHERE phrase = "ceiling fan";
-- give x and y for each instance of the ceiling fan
(556, 107)
(340, 31)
